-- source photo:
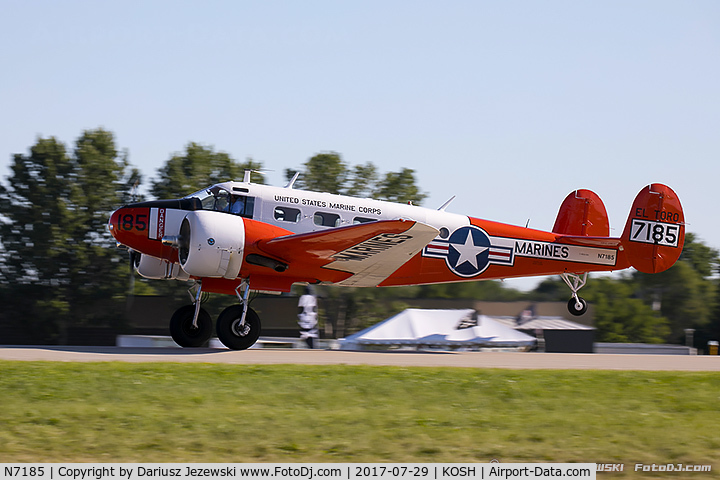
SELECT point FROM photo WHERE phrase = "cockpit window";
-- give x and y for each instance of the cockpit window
(242, 206)
(207, 197)
(220, 200)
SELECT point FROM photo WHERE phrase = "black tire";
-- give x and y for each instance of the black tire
(183, 332)
(572, 307)
(231, 334)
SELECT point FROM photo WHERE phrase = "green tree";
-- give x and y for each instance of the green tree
(400, 187)
(487, 290)
(711, 331)
(683, 296)
(58, 255)
(97, 161)
(684, 293)
(551, 289)
(703, 259)
(363, 179)
(620, 315)
(198, 167)
(327, 172)
(621, 318)
(348, 310)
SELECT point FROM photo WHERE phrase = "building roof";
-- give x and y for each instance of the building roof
(542, 323)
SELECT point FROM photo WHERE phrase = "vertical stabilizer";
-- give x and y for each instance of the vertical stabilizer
(582, 214)
(655, 230)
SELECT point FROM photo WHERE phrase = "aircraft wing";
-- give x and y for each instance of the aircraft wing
(370, 252)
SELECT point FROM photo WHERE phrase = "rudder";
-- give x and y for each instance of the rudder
(654, 234)
(582, 213)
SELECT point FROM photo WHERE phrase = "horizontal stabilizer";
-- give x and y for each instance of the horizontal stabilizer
(606, 242)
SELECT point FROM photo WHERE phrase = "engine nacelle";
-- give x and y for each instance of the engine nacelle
(211, 244)
(159, 269)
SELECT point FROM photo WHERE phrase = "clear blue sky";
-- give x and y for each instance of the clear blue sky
(508, 105)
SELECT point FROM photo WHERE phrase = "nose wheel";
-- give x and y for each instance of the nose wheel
(576, 305)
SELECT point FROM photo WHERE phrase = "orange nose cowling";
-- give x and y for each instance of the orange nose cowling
(130, 226)
(113, 223)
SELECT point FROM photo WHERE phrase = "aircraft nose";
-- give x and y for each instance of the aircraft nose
(138, 228)
(114, 223)
(129, 225)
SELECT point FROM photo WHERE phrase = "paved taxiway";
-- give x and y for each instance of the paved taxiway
(271, 356)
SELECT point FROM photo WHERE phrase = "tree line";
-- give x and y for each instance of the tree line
(58, 261)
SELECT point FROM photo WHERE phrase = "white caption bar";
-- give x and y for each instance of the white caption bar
(294, 471)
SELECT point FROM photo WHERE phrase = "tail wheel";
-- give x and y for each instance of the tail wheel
(577, 306)
(235, 334)
(184, 333)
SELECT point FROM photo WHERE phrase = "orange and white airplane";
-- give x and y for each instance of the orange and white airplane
(237, 237)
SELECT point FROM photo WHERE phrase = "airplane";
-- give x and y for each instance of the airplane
(237, 237)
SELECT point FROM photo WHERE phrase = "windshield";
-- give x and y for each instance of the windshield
(212, 198)
(220, 200)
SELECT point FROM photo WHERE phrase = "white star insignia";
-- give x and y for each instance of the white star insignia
(468, 251)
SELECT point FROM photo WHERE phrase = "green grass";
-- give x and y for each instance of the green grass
(101, 412)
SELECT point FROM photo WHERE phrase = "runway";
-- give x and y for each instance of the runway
(277, 356)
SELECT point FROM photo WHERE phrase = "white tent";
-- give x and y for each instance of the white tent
(440, 329)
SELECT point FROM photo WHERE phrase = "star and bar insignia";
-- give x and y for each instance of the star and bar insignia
(468, 251)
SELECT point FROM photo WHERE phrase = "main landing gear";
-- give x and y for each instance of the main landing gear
(576, 305)
(238, 326)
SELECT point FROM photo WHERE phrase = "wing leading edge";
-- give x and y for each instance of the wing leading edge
(369, 252)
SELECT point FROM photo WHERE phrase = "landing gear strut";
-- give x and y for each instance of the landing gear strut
(191, 325)
(576, 305)
(238, 326)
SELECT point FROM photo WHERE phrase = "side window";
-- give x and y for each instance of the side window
(357, 220)
(325, 219)
(249, 207)
(287, 214)
(242, 206)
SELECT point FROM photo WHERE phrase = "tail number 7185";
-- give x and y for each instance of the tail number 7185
(657, 233)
